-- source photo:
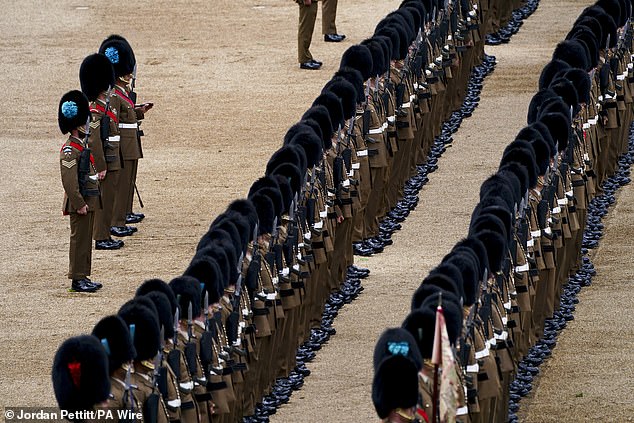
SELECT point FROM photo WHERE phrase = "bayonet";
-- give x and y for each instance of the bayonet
(206, 310)
(190, 320)
(176, 323)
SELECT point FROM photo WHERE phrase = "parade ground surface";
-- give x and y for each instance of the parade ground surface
(225, 83)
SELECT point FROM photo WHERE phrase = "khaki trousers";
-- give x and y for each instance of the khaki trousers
(103, 217)
(80, 251)
(328, 17)
(307, 17)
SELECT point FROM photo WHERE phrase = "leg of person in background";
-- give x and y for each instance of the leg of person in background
(307, 17)
(328, 18)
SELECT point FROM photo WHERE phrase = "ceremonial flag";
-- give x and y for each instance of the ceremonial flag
(443, 358)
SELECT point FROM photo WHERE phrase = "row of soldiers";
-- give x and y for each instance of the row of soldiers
(505, 288)
(221, 341)
(99, 161)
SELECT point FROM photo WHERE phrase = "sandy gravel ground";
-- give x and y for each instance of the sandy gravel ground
(225, 85)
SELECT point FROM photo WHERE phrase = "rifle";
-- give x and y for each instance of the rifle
(174, 356)
(190, 348)
(104, 125)
(160, 372)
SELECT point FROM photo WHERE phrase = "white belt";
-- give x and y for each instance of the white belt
(243, 324)
(530, 243)
(491, 342)
(505, 319)
(307, 236)
(536, 234)
(412, 97)
(483, 353)
(351, 174)
(523, 268)
(362, 153)
(188, 386)
(285, 271)
(570, 193)
(114, 138)
(592, 122)
(128, 125)
(630, 65)
(391, 119)
(323, 214)
(346, 183)
(502, 337)
(462, 411)
(376, 131)
(271, 296)
(556, 210)
(508, 307)
(620, 78)
(331, 194)
(600, 98)
(586, 126)
(608, 96)
(624, 74)
(473, 368)
(548, 231)
(174, 403)
(415, 85)
(318, 225)
(406, 105)
(384, 126)
(356, 166)
(562, 201)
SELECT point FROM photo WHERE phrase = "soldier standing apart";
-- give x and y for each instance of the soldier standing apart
(307, 17)
(121, 55)
(81, 187)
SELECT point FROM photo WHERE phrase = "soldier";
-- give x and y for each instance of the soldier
(97, 79)
(80, 374)
(188, 292)
(163, 298)
(115, 337)
(119, 52)
(123, 64)
(81, 188)
(397, 362)
(142, 313)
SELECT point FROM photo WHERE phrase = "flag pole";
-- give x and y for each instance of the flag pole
(435, 414)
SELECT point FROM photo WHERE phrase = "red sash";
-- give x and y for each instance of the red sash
(100, 108)
(80, 148)
(124, 96)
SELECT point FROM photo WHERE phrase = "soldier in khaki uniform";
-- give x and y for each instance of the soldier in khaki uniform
(81, 188)
(115, 337)
(142, 313)
(96, 76)
(80, 374)
(121, 56)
